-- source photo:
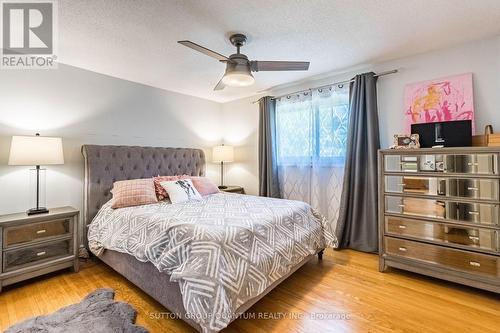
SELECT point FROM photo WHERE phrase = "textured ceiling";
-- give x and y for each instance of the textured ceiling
(136, 40)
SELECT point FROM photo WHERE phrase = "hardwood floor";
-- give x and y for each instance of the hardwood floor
(345, 283)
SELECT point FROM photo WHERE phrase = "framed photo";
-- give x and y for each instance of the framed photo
(404, 141)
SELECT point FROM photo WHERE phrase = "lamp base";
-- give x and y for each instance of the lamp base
(222, 187)
(39, 210)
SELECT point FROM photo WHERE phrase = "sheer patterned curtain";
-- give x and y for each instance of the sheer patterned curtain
(311, 135)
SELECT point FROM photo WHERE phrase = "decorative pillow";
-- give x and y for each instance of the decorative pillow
(133, 192)
(181, 190)
(160, 191)
(204, 185)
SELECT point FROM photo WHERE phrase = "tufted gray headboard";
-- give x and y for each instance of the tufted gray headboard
(106, 164)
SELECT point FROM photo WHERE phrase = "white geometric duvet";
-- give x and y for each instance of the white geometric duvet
(223, 250)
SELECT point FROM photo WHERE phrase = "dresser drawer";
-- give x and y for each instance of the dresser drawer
(473, 212)
(484, 189)
(37, 231)
(478, 163)
(415, 185)
(398, 163)
(441, 232)
(469, 262)
(415, 206)
(480, 213)
(486, 164)
(14, 259)
(471, 188)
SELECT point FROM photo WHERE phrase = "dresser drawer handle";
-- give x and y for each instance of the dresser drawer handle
(474, 263)
(474, 238)
(472, 189)
(472, 164)
(403, 249)
(402, 185)
(474, 213)
(39, 254)
(401, 226)
(401, 205)
(41, 231)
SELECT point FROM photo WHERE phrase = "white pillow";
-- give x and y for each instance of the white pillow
(181, 190)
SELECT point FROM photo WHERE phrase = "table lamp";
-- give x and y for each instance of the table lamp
(222, 154)
(36, 150)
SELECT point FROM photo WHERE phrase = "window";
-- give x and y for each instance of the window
(312, 128)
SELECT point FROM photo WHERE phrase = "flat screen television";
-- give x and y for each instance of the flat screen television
(456, 133)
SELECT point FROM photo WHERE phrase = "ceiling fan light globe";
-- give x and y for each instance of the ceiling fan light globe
(238, 79)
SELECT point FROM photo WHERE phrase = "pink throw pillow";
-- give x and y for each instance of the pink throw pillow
(133, 192)
(204, 185)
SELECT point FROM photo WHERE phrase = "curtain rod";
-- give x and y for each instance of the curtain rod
(331, 84)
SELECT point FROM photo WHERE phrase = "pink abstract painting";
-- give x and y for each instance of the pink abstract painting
(445, 99)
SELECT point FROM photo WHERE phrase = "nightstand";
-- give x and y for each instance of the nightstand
(37, 244)
(233, 189)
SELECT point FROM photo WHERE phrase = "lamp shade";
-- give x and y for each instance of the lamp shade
(238, 79)
(35, 150)
(223, 154)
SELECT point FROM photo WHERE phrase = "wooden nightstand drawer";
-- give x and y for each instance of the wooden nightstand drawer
(470, 262)
(33, 245)
(16, 235)
(14, 259)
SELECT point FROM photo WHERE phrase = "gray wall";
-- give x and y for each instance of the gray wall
(86, 107)
(482, 58)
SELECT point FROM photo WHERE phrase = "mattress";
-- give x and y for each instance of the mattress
(158, 285)
(222, 251)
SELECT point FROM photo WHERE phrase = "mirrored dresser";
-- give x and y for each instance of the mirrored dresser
(439, 213)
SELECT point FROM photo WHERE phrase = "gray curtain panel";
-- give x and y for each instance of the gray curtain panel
(268, 168)
(358, 217)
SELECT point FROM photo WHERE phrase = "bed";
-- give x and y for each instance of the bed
(230, 230)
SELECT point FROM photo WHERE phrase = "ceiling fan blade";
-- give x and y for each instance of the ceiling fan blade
(220, 85)
(203, 50)
(259, 66)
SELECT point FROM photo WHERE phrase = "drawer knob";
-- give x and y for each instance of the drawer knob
(39, 254)
(41, 231)
(474, 264)
(403, 249)
(401, 226)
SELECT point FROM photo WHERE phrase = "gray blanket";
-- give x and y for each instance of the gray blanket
(223, 250)
(97, 313)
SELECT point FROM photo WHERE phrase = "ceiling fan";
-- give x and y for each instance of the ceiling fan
(239, 69)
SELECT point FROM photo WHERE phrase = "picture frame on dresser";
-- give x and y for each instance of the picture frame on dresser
(405, 141)
(439, 213)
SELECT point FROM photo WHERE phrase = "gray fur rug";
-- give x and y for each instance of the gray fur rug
(96, 313)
